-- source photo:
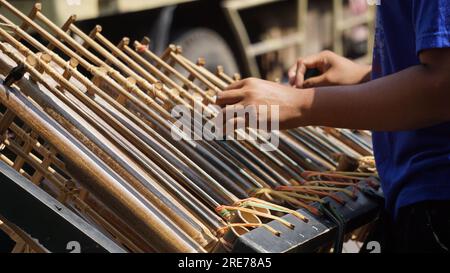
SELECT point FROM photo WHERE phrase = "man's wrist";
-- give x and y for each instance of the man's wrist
(367, 72)
(305, 106)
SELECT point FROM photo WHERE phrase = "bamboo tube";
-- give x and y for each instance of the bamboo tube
(112, 59)
(199, 67)
(342, 136)
(176, 57)
(63, 47)
(64, 28)
(221, 73)
(154, 194)
(96, 70)
(124, 45)
(22, 109)
(320, 148)
(36, 8)
(332, 142)
(88, 40)
(117, 52)
(78, 76)
(161, 63)
(147, 101)
(110, 188)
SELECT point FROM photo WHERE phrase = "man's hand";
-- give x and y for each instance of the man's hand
(416, 97)
(255, 92)
(336, 70)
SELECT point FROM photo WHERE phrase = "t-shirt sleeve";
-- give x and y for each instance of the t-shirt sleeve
(432, 24)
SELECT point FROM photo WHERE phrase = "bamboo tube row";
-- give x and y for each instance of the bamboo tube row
(101, 141)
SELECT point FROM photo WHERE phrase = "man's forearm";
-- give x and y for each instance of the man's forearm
(414, 98)
(367, 73)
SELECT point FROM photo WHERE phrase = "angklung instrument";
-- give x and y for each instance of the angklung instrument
(88, 130)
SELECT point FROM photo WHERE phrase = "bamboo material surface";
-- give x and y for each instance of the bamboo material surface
(91, 123)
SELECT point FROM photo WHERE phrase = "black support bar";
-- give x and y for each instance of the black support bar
(308, 237)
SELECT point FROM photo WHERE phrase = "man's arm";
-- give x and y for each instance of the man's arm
(414, 98)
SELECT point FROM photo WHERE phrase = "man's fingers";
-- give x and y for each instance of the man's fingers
(229, 97)
(292, 73)
(317, 61)
(296, 74)
(228, 119)
(316, 82)
(236, 85)
(300, 74)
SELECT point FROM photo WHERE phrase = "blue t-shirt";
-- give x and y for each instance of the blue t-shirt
(414, 166)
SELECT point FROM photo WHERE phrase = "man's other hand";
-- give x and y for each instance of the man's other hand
(335, 70)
